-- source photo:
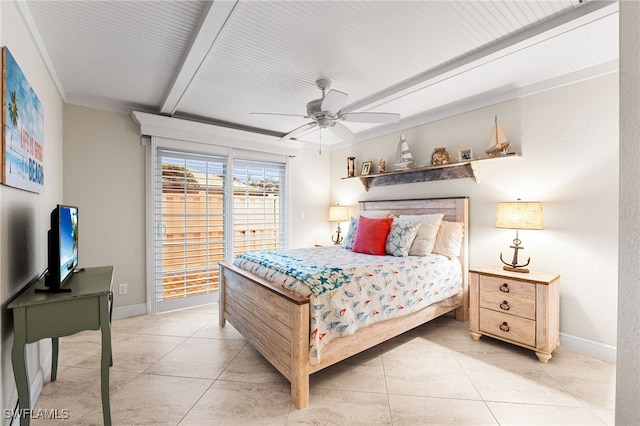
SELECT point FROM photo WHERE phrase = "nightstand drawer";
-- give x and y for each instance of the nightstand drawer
(508, 304)
(520, 330)
(507, 287)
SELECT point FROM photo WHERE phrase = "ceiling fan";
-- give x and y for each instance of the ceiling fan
(326, 113)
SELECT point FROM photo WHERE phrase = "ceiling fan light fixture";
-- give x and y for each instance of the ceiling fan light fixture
(326, 113)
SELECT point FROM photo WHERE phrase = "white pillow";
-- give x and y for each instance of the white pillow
(375, 214)
(426, 237)
(449, 239)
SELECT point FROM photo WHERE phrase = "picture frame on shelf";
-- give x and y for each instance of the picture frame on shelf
(366, 168)
(465, 154)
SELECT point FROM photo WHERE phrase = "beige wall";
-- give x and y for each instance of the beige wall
(104, 176)
(628, 362)
(569, 143)
(24, 216)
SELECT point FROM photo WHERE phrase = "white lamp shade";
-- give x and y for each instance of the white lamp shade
(338, 214)
(520, 215)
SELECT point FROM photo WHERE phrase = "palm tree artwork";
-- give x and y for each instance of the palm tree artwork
(14, 112)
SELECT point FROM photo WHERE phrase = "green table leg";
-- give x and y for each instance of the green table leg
(55, 343)
(20, 369)
(105, 327)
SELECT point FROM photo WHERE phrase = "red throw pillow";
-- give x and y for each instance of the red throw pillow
(371, 235)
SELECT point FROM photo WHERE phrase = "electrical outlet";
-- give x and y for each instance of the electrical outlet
(123, 288)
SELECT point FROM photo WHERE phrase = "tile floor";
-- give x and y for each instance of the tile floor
(181, 368)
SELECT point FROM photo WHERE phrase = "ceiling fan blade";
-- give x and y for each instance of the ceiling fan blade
(295, 132)
(341, 131)
(334, 101)
(371, 117)
(278, 114)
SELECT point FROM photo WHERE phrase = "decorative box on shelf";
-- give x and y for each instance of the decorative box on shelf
(519, 308)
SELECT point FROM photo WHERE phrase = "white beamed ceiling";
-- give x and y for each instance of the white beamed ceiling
(218, 62)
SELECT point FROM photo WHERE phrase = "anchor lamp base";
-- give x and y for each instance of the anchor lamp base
(513, 266)
(338, 239)
(516, 269)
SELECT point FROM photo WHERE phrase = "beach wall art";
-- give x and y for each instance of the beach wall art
(22, 129)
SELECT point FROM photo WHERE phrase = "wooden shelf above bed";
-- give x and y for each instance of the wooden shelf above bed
(457, 170)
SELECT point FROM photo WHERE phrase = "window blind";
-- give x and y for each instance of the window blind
(259, 205)
(190, 222)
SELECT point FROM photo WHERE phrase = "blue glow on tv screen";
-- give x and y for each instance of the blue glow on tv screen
(68, 228)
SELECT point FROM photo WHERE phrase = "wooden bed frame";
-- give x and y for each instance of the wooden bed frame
(276, 321)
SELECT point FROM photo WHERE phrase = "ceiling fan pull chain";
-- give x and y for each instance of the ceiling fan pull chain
(320, 147)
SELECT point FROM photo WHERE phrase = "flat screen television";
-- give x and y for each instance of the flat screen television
(63, 247)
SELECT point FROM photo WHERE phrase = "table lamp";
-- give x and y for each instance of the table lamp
(338, 214)
(518, 215)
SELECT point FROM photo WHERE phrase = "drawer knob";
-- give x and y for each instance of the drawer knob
(505, 306)
(504, 327)
(504, 288)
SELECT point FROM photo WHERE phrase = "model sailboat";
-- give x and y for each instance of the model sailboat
(403, 159)
(499, 144)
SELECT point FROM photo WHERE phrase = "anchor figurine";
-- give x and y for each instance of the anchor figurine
(338, 239)
(513, 266)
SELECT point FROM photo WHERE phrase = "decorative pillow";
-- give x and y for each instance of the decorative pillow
(353, 225)
(401, 237)
(449, 239)
(351, 234)
(426, 238)
(371, 235)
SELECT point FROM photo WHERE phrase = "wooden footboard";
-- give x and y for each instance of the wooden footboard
(276, 321)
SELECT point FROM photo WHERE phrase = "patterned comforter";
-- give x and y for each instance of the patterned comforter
(349, 290)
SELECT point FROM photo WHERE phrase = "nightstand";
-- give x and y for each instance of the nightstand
(519, 308)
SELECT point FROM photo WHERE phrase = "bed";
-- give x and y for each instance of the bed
(281, 323)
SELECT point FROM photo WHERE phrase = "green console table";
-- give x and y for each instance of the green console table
(38, 315)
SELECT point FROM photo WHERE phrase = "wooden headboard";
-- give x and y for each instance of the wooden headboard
(454, 209)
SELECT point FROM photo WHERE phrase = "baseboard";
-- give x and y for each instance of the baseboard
(44, 369)
(129, 311)
(589, 347)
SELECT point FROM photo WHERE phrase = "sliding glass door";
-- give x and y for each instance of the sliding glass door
(200, 219)
(189, 224)
(259, 213)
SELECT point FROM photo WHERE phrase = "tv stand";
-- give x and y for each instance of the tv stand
(50, 314)
(53, 287)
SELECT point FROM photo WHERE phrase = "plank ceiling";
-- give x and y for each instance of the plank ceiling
(219, 61)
